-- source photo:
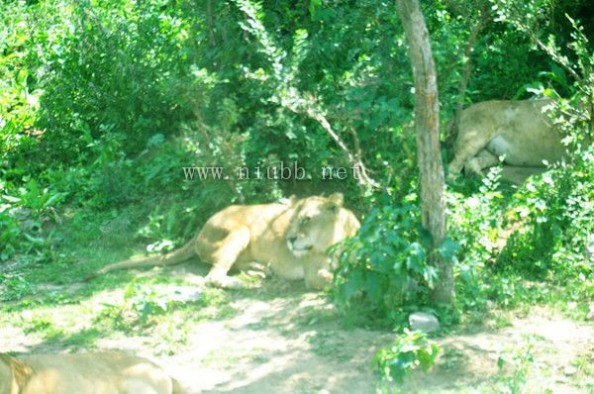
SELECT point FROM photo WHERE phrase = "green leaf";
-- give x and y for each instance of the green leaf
(56, 197)
(448, 249)
(313, 7)
(352, 285)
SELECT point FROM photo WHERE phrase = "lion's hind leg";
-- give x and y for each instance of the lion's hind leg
(225, 256)
(484, 159)
(464, 153)
(469, 143)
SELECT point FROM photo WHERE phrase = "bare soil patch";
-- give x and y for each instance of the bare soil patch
(283, 339)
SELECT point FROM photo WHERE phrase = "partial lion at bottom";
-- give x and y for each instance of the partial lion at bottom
(89, 373)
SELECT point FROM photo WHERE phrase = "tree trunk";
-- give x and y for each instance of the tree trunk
(428, 149)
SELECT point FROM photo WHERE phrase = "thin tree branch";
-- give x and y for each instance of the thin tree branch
(359, 168)
(559, 59)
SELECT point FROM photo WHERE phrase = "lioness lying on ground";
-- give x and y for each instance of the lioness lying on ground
(291, 239)
(92, 373)
(521, 131)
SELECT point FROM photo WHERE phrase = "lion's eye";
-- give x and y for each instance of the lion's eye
(304, 220)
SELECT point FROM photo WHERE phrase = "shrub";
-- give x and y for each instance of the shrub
(384, 267)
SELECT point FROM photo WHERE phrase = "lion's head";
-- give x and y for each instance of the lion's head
(317, 224)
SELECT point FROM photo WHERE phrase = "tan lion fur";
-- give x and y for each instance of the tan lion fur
(89, 373)
(521, 131)
(291, 239)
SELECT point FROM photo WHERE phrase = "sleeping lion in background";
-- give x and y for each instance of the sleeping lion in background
(520, 131)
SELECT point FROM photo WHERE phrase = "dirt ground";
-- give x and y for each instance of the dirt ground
(293, 341)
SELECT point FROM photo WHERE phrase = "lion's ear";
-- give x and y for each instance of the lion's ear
(337, 199)
(334, 202)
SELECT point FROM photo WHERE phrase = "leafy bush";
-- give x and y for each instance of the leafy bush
(476, 220)
(384, 266)
(410, 351)
(557, 208)
(383, 271)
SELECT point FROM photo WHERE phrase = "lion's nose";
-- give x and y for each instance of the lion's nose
(292, 239)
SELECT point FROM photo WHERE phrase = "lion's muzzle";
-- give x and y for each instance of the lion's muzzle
(299, 248)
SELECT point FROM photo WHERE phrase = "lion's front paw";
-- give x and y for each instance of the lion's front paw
(322, 279)
(225, 282)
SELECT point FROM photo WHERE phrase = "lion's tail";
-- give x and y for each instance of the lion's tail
(173, 257)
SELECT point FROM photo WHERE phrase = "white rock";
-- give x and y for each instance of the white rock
(570, 370)
(424, 322)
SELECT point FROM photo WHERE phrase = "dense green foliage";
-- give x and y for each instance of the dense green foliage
(103, 104)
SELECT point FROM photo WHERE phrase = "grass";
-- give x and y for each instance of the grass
(42, 295)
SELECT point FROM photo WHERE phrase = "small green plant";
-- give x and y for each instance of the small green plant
(173, 334)
(453, 359)
(13, 287)
(514, 366)
(137, 306)
(39, 323)
(23, 213)
(410, 351)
